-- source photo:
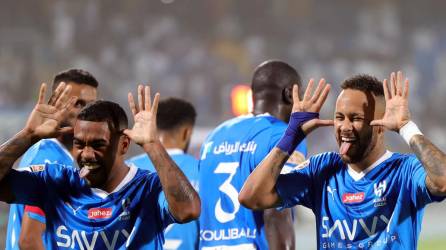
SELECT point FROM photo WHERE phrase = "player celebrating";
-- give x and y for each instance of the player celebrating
(105, 204)
(32, 226)
(376, 198)
(230, 154)
(175, 121)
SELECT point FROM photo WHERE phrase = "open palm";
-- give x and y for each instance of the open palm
(45, 119)
(144, 130)
(311, 103)
(397, 105)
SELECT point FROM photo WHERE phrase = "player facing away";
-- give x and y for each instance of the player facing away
(364, 196)
(175, 121)
(25, 230)
(105, 204)
(230, 154)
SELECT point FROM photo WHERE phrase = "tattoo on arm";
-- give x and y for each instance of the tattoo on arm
(433, 160)
(10, 151)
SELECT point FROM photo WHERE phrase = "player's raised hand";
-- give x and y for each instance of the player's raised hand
(144, 130)
(397, 103)
(45, 119)
(312, 102)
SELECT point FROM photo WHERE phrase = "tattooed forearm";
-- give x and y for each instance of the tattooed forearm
(11, 150)
(184, 202)
(433, 160)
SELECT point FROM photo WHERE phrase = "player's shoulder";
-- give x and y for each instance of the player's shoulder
(184, 158)
(403, 160)
(321, 162)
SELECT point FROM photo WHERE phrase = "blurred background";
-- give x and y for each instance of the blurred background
(201, 50)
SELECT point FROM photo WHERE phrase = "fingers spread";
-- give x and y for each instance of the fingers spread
(387, 95)
(56, 94)
(140, 97)
(323, 97)
(296, 93)
(155, 106)
(63, 98)
(318, 91)
(307, 95)
(392, 85)
(132, 104)
(406, 89)
(147, 98)
(42, 92)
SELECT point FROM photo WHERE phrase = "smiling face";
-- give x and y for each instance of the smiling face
(355, 110)
(95, 149)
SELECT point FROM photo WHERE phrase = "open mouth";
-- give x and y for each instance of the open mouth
(91, 166)
(346, 143)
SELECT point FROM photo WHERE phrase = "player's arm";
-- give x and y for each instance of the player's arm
(31, 233)
(279, 228)
(397, 118)
(259, 191)
(184, 202)
(43, 122)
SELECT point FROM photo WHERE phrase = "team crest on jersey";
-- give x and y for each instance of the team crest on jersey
(37, 168)
(125, 215)
(296, 158)
(379, 190)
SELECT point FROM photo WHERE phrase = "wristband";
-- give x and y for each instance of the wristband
(293, 134)
(409, 130)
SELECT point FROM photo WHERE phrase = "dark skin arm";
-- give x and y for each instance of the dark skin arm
(396, 116)
(43, 122)
(31, 234)
(184, 202)
(259, 191)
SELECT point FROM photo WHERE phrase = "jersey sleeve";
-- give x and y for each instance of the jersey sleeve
(35, 213)
(27, 187)
(296, 187)
(419, 191)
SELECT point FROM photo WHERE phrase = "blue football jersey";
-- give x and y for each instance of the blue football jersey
(229, 154)
(177, 236)
(133, 216)
(44, 151)
(382, 209)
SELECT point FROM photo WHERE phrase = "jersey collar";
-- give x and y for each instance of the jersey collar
(359, 175)
(103, 194)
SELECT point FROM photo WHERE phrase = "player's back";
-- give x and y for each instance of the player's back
(177, 236)
(44, 151)
(228, 156)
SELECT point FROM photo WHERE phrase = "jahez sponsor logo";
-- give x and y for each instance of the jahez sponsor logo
(353, 198)
(100, 213)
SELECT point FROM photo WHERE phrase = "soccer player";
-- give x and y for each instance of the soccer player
(175, 121)
(364, 196)
(105, 204)
(230, 154)
(31, 224)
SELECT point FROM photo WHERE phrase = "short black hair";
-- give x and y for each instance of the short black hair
(273, 76)
(105, 111)
(79, 76)
(173, 113)
(364, 83)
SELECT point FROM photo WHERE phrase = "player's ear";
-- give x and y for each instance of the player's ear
(186, 133)
(287, 95)
(124, 144)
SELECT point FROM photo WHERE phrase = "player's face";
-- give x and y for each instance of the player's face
(85, 94)
(354, 112)
(95, 150)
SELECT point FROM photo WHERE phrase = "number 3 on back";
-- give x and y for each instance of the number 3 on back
(227, 188)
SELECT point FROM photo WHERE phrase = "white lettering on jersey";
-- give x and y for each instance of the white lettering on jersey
(206, 149)
(227, 234)
(351, 230)
(232, 148)
(78, 238)
(228, 189)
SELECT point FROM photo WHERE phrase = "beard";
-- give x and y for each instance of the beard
(359, 150)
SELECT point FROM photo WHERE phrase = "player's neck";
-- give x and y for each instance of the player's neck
(272, 108)
(368, 161)
(117, 174)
